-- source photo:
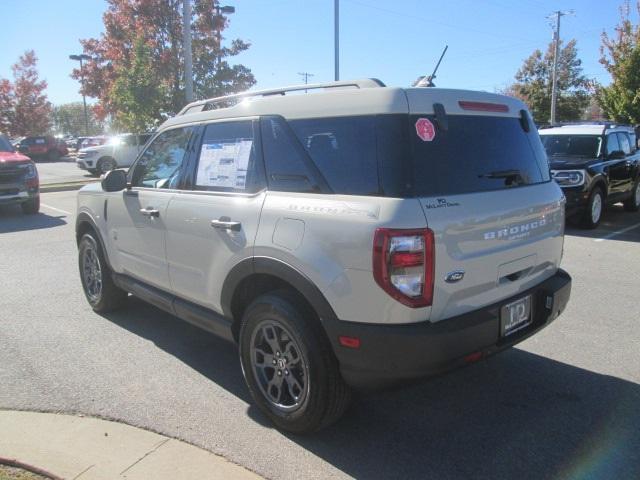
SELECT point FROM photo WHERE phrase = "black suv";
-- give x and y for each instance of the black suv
(596, 164)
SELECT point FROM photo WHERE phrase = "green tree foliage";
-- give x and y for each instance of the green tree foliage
(137, 94)
(159, 22)
(534, 80)
(68, 118)
(620, 55)
(24, 108)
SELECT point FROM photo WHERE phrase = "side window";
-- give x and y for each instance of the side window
(625, 144)
(160, 164)
(612, 143)
(288, 167)
(344, 150)
(129, 140)
(142, 139)
(228, 159)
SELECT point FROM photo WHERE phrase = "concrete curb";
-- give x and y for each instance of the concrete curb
(66, 186)
(89, 448)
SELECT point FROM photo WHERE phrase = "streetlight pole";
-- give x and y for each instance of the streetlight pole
(80, 58)
(336, 32)
(219, 11)
(188, 57)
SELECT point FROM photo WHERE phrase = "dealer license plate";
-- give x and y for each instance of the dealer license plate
(515, 316)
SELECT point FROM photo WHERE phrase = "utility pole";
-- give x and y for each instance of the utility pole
(336, 27)
(556, 51)
(188, 56)
(306, 76)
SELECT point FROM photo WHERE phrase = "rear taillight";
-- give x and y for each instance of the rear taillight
(403, 264)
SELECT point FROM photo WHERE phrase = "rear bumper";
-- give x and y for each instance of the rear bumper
(389, 354)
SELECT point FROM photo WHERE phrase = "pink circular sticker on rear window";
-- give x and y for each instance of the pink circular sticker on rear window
(425, 129)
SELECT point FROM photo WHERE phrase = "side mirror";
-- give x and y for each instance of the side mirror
(616, 155)
(114, 181)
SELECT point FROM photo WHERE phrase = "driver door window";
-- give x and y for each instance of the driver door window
(161, 163)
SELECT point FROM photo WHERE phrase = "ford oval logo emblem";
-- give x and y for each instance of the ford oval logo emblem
(455, 276)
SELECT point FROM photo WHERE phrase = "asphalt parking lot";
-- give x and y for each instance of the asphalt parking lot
(563, 404)
(62, 171)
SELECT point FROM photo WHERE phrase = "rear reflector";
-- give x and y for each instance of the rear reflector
(483, 106)
(349, 342)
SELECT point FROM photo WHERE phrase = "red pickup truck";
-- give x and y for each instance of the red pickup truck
(43, 147)
(19, 183)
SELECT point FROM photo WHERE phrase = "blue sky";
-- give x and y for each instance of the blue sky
(392, 40)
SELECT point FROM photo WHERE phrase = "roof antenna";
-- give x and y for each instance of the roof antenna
(425, 81)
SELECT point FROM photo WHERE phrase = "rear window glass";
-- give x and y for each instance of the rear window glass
(474, 154)
(572, 145)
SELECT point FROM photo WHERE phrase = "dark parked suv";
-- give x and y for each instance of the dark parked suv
(19, 182)
(596, 165)
(43, 147)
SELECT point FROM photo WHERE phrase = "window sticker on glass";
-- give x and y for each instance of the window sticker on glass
(224, 164)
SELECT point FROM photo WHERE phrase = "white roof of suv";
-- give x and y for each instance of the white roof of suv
(585, 129)
(347, 98)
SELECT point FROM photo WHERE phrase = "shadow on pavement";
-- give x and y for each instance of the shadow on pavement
(515, 415)
(13, 220)
(616, 224)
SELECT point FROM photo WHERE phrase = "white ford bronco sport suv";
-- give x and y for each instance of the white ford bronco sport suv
(350, 238)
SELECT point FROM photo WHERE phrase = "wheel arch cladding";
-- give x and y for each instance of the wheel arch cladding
(84, 225)
(255, 276)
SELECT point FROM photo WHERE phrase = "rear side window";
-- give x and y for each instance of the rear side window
(228, 158)
(625, 144)
(344, 151)
(289, 169)
(612, 144)
(474, 154)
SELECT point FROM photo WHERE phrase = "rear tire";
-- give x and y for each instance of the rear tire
(288, 364)
(593, 213)
(632, 204)
(102, 293)
(53, 156)
(31, 206)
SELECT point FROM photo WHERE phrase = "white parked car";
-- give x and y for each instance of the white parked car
(120, 151)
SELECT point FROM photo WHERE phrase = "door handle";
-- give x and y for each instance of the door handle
(224, 224)
(150, 212)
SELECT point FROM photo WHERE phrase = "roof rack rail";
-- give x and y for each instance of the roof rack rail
(230, 100)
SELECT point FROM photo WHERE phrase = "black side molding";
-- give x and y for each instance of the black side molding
(199, 316)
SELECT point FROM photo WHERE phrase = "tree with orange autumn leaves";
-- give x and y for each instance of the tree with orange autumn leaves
(154, 28)
(24, 107)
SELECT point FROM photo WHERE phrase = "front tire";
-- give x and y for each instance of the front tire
(105, 164)
(290, 369)
(632, 204)
(102, 293)
(593, 213)
(31, 206)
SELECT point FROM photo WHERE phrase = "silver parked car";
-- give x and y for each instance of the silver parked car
(350, 238)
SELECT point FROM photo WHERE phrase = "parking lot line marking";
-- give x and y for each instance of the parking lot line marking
(54, 208)
(617, 232)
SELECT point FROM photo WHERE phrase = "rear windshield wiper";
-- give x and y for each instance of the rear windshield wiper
(511, 176)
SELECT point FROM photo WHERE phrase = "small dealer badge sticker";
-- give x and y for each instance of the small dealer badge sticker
(425, 129)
